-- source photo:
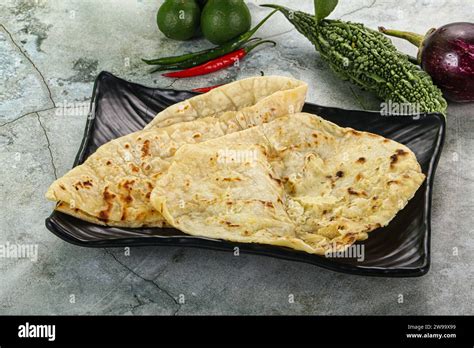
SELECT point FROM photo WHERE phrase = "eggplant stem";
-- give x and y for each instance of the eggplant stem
(414, 38)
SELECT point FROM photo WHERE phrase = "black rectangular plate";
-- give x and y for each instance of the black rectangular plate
(401, 249)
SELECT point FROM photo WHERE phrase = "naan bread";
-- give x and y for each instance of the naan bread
(250, 101)
(113, 186)
(298, 181)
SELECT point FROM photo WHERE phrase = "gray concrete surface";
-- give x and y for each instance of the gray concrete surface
(50, 52)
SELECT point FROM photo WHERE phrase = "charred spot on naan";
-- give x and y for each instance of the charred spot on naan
(146, 166)
(134, 168)
(360, 193)
(85, 184)
(354, 132)
(127, 184)
(232, 179)
(108, 199)
(396, 156)
(149, 190)
(126, 188)
(228, 223)
(277, 180)
(146, 149)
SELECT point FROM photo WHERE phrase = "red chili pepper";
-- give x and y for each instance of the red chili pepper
(216, 64)
(205, 89)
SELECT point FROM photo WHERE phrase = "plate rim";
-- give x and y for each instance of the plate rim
(251, 248)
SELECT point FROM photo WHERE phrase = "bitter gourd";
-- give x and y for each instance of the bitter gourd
(370, 60)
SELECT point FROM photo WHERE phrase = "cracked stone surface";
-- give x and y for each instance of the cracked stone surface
(50, 53)
(23, 88)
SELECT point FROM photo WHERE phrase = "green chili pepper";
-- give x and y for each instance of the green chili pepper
(199, 58)
(175, 59)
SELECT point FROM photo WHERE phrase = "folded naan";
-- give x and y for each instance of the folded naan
(113, 186)
(298, 181)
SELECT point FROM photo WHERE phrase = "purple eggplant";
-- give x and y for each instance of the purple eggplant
(447, 55)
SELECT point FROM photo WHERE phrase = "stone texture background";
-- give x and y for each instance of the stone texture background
(50, 53)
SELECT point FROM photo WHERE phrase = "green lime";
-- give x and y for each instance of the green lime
(179, 19)
(223, 20)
